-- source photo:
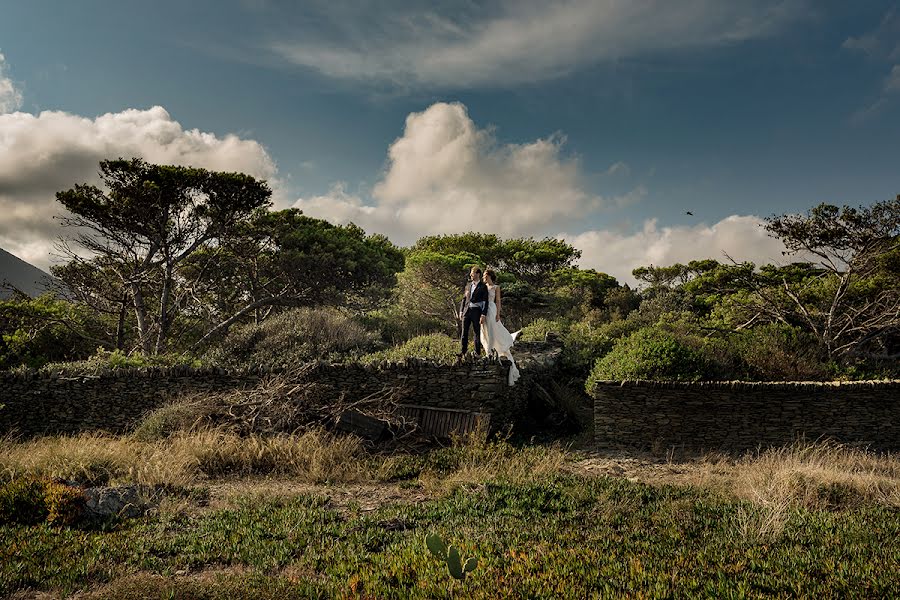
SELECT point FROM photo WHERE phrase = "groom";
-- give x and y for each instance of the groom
(473, 309)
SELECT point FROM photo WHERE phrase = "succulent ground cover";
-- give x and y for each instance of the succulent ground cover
(542, 521)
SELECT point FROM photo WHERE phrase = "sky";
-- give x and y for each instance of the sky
(601, 122)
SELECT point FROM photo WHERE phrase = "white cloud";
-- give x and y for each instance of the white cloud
(619, 168)
(10, 95)
(473, 44)
(881, 42)
(616, 253)
(53, 151)
(447, 175)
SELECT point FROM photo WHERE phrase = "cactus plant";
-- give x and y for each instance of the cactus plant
(450, 556)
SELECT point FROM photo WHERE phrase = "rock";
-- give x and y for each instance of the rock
(119, 501)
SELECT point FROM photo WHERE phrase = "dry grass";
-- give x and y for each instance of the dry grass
(820, 475)
(474, 460)
(186, 458)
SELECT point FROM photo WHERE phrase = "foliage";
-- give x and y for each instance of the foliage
(531, 539)
(397, 325)
(433, 346)
(778, 352)
(104, 360)
(857, 307)
(284, 258)
(32, 500)
(36, 331)
(537, 330)
(449, 555)
(649, 353)
(148, 221)
(293, 337)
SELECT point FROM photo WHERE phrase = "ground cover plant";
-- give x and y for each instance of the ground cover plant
(808, 520)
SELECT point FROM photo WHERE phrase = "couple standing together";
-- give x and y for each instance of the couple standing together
(480, 308)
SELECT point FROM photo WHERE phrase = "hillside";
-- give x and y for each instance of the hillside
(24, 276)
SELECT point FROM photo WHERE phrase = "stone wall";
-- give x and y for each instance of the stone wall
(731, 416)
(114, 401)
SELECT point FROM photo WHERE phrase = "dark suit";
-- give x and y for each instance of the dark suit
(472, 314)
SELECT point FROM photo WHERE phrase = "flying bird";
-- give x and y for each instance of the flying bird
(687, 212)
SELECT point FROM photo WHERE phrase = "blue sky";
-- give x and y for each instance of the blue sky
(602, 122)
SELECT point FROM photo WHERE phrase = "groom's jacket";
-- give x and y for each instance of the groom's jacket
(479, 294)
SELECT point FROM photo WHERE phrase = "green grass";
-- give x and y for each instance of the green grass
(562, 537)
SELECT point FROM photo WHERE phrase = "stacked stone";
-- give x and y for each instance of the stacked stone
(35, 403)
(736, 416)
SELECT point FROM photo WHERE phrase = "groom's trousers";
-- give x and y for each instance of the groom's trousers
(473, 316)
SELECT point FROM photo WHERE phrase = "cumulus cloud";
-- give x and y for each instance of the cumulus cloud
(472, 44)
(10, 95)
(617, 253)
(52, 151)
(445, 174)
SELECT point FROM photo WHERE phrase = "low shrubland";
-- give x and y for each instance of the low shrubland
(292, 338)
(437, 347)
(538, 526)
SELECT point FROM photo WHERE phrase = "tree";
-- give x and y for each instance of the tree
(97, 286)
(852, 303)
(284, 258)
(148, 221)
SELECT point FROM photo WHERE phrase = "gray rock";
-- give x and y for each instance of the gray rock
(119, 501)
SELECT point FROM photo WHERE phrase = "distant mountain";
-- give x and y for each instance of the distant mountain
(21, 275)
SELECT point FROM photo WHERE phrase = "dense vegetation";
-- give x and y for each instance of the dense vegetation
(808, 521)
(187, 265)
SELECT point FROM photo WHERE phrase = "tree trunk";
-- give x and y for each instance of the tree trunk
(120, 325)
(164, 310)
(140, 313)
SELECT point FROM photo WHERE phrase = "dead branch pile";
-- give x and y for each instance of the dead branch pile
(292, 401)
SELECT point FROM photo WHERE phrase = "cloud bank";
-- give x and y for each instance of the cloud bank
(455, 45)
(741, 237)
(447, 175)
(53, 151)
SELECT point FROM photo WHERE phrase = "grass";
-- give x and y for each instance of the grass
(539, 527)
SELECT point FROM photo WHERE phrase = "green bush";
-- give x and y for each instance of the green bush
(35, 331)
(649, 353)
(434, 346)
(104, 360)
(396, 325)
(778, 352)
(295, 336)
(537, 330)
(31, 500)
(584, 342)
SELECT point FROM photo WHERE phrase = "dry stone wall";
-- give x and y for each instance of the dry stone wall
(114, 401)
(731, 416)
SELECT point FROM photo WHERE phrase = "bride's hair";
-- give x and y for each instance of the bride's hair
(490, 273)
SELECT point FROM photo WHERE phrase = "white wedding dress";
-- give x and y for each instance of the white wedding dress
(494, 336)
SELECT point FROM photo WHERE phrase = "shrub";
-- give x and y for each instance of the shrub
(22, 501)
(104, 360)
(537, 330)
(65, 504)
(31, 500)
(776, 351)
(396, 325)
(293, 337)
(584, 343)
(434, 346)
(649, 353)
(166, 420)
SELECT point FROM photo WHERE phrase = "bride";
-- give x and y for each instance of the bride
(494, 336)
